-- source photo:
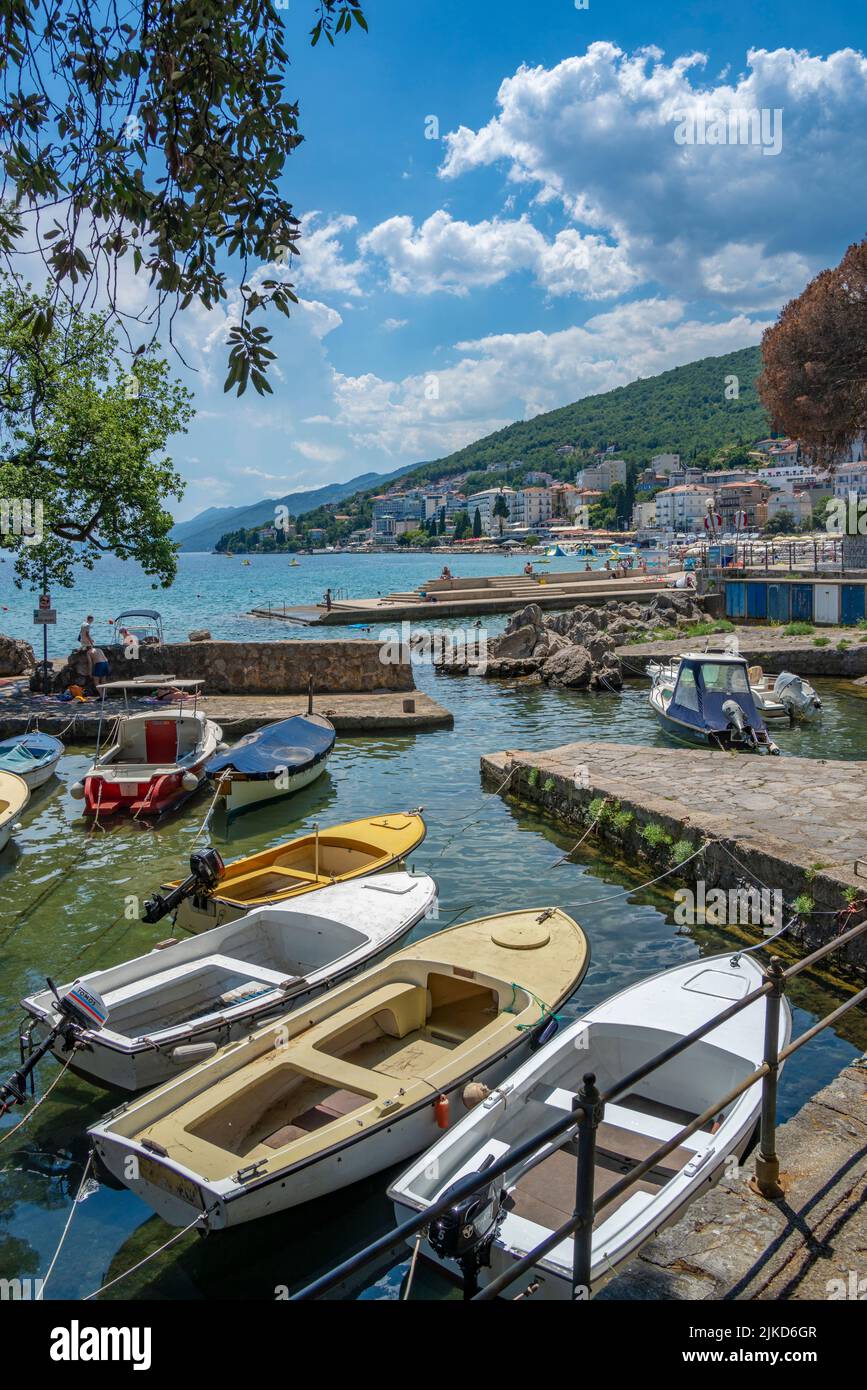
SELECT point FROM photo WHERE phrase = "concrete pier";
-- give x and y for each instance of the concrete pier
(496, 593)
(350, 713)
(841, 651)
(793, 824)
(810, 1244)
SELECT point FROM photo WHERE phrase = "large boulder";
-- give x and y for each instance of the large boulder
(16, 657)
(520, 642)
(571, 667)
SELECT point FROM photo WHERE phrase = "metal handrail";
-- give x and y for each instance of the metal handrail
(586, 1114)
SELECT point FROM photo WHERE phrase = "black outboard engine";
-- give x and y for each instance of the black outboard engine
(466, 1231)
(79, 1009)
(206, 870)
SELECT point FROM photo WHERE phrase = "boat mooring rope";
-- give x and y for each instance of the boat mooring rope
(41, 1292)
(7, 1134)
(132, 1269)
(412, 1266)
(477, 814)
(564, 857)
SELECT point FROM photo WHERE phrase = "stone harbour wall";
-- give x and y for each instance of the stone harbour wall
(273, 668)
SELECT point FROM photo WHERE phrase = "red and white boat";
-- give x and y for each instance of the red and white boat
(153, 759)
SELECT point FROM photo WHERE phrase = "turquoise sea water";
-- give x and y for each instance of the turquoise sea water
(62, 893)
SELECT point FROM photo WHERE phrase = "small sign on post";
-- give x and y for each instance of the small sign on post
(45, 616)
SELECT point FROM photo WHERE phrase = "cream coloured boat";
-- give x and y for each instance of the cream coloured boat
(14, 796)
(362, 1078)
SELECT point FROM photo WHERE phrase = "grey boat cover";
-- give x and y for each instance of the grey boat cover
(290, 745)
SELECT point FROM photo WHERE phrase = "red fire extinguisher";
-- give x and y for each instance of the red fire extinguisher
(441, 1111)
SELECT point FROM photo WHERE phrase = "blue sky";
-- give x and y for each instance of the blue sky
(553, 241)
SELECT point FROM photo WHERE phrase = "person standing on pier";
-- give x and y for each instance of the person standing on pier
(328, 600)
(85, 641)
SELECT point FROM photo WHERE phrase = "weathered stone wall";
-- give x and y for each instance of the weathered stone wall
(792, 824)
(273, 668)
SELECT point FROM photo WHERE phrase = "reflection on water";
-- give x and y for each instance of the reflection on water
(65, 895)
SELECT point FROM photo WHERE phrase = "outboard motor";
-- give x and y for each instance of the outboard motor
(79, 1008)
(466, 1231)
(735, 716)
(798, 696)
(206, 870)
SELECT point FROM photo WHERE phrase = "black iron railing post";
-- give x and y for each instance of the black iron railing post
(591, 1109)
(767, 1162)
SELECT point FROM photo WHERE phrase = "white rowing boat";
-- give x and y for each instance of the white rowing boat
(612, 1040)
(359, 1079)
(174, 1006)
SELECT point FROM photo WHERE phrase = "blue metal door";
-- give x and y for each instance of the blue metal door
(852, 603)
(735, 598)
(757, 600)
(778, 603)
(802, 603)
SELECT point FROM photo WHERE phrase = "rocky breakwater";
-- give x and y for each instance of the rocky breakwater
(16, 657)
(576, 648)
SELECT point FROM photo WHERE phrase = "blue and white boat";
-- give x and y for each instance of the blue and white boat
(272, 763)
(32, 757)
(705, 699)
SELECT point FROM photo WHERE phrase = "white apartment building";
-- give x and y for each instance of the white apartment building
(485, 502)
(533, 507)
(681, 508)
(665, 463)
(851, 477)
(783, 475)
(603, 476)
(799, 504)
(644, 515)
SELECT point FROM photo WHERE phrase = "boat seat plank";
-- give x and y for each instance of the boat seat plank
(333, 1107)
(150, 983)
(546, 1194)
(628, 1119)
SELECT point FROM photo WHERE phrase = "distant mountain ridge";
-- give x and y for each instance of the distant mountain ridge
(203, 531)
(693, 410)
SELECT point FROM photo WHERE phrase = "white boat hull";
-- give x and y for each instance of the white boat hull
(240, 794)
(141, 1062)
(613, 1038)
(337, 1168)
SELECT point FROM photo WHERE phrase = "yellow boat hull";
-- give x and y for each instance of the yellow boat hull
(299, 866)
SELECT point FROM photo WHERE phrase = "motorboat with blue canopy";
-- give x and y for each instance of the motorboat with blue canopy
(33, 757)
(705, 698)
(272, 762)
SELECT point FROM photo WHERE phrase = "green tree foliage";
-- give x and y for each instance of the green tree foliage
(477, 524)
(85, 436)
(784, 523)
(154, 134)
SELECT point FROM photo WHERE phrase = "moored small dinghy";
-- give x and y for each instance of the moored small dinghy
(155, 758)
(312, 861)
(612, 1040)
(355, 1081)
(14, 796)
(271, 763)
(174, 1006)
(705, 698)
(32, 757)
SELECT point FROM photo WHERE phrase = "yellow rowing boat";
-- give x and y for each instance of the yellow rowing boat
(298, 866)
